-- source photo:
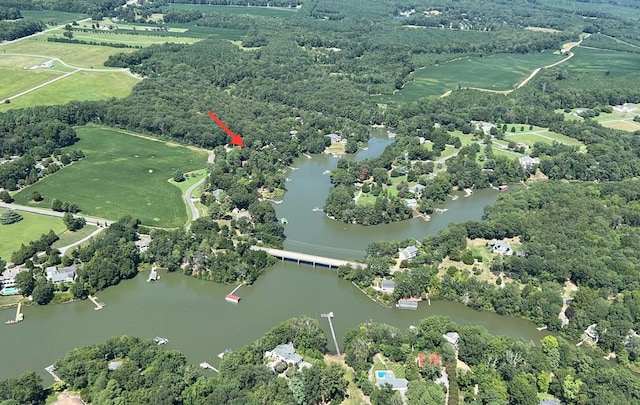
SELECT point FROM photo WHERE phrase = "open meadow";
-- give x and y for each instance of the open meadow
(121, 175)
(82, 85)
(496, 72)
(52, 17)
(30, 228)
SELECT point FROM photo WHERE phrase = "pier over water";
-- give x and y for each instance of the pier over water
(308, 259)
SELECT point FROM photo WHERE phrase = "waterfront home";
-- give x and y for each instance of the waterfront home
(387, 285)
(286, 353)
(406, 304)
(335, 138)
(387, 377)
(408, 253)
(500, 247)
(411, 202)
(417, 189)
(453, 339)
(61, 275)
(8, 277)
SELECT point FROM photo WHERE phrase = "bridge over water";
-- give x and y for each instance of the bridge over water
(307, 259)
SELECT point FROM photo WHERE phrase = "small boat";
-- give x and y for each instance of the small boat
(160, 340)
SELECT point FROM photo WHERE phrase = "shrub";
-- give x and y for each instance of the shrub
(10, 217)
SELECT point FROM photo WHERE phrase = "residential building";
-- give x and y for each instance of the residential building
(500, 247)
(408, 253)
(387, 377)
(411, 202)
(335, 138)
(387, 285)
(453, 339)
(528, 162)
(417, 189)
(61, 275)
(286, 353)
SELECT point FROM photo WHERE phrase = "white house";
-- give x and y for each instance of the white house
(387, 285)
(61, 275)
(335, 138)
(387, 377)
(452, 338)
(286, 353)
(408, 253)
(527, 161)
(411, 202)
(500, 247)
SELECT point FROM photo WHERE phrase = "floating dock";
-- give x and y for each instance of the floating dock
(19, 316)
(99, 305)
(208, 366)
(49, 370)
(232, 298)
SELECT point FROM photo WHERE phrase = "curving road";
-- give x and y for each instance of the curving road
(195, 214)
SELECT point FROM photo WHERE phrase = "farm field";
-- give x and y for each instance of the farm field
(82, 85)
(121, 175)
(620, 120)
(124, 37)
(282, 12)
(30, 228)
(613, 9)
(611, 63)
(497, 72)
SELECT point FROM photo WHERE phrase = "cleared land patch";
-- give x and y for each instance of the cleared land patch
(605, 62)
(282, 12)
(30, 228)
(82, 85)
(121, 175)
(496, 72)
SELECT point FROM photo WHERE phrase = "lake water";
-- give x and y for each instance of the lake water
(197, 320)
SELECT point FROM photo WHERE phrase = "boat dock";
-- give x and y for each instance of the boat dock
(99, 305)
(153, 275)
(49, 370)
(208, 366)
(231, 297)
(19, 316)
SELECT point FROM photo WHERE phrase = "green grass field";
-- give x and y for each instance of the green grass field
(14, 81)
(616, 10)
(121, 175)
(540, 135)
(74, 54)
(83, 85)
(30, 228)
(281, 12)
(497, 72)
(620, 120)
(67, 237)
(605, 62)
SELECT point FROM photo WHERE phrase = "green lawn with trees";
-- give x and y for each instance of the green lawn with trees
(29, 228)
(121, 175)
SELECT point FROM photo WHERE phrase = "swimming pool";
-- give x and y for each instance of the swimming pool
(9, 290)
(382, 373)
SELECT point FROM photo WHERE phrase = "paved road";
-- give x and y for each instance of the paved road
(86, 238)
(90, 220)
(195, 214)
(58, 27)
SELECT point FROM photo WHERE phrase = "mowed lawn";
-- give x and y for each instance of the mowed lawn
(79, 55)
(121, 175)
(496, 72)
(14, 81)
(82, 85)
(30, 228)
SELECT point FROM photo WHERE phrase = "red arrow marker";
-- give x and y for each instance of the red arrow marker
(235, 139)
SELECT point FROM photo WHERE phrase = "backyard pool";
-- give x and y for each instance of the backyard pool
(382, 373)
(9, 291)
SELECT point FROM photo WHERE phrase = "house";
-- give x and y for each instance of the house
(335, 138)
(591, 332)
(411, 202)
(388, 285)
(217, 193)
(408, 253)
(61, 275)
(500, 247)
(452, 338)
(114, 365)
(391, 135)
(417, 188)
(8, 277)
(406, 304)
(485, 127)
(527, 161)
(286, 353)
(143, 243)
(421, 360)
(503, 188)
(550, 401)
(387, 377)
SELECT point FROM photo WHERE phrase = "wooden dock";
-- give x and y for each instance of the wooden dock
(19, 315)
(49, 370)
(99, 305)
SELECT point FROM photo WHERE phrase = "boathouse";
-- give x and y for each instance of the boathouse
(232, 298)
(406, 304)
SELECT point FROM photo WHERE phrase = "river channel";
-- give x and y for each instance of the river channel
(197, 320)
